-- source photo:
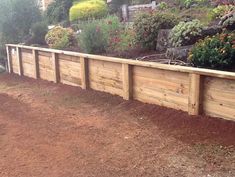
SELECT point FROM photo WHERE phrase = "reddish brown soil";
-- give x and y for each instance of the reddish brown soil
(62, 131)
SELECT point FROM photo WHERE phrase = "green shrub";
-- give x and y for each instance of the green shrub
(92, 39)
(123, 40)
(88, 9)
(38, 32)
(58, 11)
(162, 5)
(59, 38)
(96, 34)
(147, 26)
(217, 52)
(186, 33)
(189, 3)
(220, 11)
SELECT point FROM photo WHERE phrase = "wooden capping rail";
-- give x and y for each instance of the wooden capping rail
(185, 69)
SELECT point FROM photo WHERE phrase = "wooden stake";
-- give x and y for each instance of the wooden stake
(19, 58)
(194, 94)
(36, 64)
(127, 81)
(9, 59)
(56, 67)
(84, 73)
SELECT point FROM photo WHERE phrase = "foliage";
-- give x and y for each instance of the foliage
(220, 11)
(16, 20)
(96, 34)
(225, 2)
(217, 52)
(59, 38)
(189, 3)
(38, 32)
(147, 25)
(162, 5)
(123, 40)
(58, 11)
(229, 22)
(186, 33)
(88, 9)
(92, 39)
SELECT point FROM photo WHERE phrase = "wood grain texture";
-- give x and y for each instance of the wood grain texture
(84, 73)
(27, 64)
(106, 76)
(46, 68)
(183, 69)
(69, 72)
(9, 59)
(127, 81)
(194, 94)
(14, 61)
(182, 88)
(219, 97)
(161, 87)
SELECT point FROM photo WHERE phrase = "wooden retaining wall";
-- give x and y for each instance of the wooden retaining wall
(197, 91)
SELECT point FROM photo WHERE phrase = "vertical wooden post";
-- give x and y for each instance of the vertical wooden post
(127, 81)
(194, 94)
(36, 64)
(84, 73)
(19, 58)
(56, 67)
(9, 59)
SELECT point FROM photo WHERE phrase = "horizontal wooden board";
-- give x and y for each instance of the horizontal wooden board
(105, 76)
(46, 74)
(219, 97)
(28, 69)
(69, 58)
(70, 72)
(28, 51)
(161, 87)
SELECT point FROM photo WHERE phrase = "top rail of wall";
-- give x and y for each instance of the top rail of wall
(184, 69)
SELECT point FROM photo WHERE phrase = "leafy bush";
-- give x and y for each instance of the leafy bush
(189, 3)
(162, 5)
(92, 39)
(147, 26)
(220, 11)
(88, 9)
(58, 11)
(96, 35)
(59, 38)
(186, 33)
(217, 52)
(38, 32)
(123, 40)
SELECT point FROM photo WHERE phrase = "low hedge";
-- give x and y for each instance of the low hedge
(88, 9)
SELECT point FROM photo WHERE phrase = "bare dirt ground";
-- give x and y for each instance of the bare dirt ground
(49, 130)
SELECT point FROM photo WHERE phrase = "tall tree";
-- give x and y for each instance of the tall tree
(17, 17)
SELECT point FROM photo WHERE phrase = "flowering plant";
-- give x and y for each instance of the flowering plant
(216, 52)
